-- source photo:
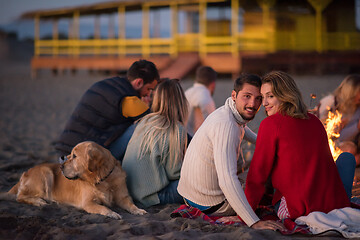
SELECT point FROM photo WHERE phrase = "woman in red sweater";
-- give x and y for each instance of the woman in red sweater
(293, 151)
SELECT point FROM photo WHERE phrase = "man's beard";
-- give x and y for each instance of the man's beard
(249, 118)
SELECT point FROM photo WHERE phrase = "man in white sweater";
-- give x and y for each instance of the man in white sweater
(200, 98)
(208, 179)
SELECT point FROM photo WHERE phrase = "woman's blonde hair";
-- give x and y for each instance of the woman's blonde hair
(286, 91)
(169, 108)
(345, 94)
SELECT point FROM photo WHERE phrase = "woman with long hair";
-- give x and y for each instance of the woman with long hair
(345, 100)
(293, 151)
(154, 155)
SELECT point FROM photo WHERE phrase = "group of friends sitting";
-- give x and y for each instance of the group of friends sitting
(176, 147)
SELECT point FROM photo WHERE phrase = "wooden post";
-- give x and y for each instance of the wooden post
(75, 36)
(265, 6)
(97, 27)
(34, 70)
(55, 36)
(55, 29)
(174, 29)
(111, 29)
(319, 6)
(234, 27)
(145, 31)
(318, 24)
(122, 31)
(76, 25)
(111, 34)
(202, 28)
(97, 34)
(37, 34)
(189, 22)
(156, 24)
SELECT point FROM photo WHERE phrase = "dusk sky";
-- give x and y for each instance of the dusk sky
(10, 12)
(11, 9)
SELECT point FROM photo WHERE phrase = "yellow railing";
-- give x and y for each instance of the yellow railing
(342, 41)
(294, 41)
(339, 41)
(194, 43)
(189, 42)
(103, 46)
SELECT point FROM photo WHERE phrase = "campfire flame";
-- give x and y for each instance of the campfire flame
(332, 125)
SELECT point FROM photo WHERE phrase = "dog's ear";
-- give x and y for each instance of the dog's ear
(100, 162)
(95, 158)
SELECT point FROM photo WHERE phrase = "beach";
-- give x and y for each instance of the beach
(33, 112)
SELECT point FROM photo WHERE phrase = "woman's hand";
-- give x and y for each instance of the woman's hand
(228, 219)
(147, 100)
(269, 224)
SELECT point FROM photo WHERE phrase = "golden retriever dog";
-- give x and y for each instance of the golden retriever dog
(90, 179)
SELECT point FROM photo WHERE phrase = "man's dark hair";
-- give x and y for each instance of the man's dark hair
(252, 79)
(143, 69)
(205, 75)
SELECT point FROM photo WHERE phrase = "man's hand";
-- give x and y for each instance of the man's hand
(269, 224)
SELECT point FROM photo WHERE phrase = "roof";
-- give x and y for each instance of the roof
(104, 7)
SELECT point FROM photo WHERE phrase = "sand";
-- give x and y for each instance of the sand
(33, 113)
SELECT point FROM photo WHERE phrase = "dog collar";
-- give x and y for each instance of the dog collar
(104, 178)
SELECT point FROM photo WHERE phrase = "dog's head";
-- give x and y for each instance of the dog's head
(88, 161)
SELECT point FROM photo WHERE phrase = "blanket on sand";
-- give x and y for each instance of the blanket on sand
(345, 220)
(266, 213)
(336, 222)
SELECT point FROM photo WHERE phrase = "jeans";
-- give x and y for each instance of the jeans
(169, 194)
(118, 147)
(346, 164)
(198, 206)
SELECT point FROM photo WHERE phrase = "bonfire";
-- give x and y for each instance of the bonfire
(332, 126)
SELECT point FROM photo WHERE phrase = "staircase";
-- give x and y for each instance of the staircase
(181, 66)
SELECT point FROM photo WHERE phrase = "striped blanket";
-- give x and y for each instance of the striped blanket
(266, 213)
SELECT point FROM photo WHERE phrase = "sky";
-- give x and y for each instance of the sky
(11, 10)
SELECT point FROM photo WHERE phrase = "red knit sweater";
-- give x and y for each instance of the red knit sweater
(296, 155)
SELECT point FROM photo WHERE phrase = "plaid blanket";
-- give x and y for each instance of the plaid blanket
(266, 213)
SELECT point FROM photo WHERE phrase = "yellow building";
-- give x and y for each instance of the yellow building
(231, 36)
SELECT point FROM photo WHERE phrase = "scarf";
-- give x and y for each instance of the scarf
(231, 104)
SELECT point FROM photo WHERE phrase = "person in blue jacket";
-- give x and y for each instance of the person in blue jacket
(109, 107)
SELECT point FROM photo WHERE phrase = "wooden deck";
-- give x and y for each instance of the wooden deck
(223, 63)
(92, 63)
(168, 67)
(300, 63)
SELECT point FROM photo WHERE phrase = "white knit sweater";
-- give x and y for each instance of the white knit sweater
(208, 174)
